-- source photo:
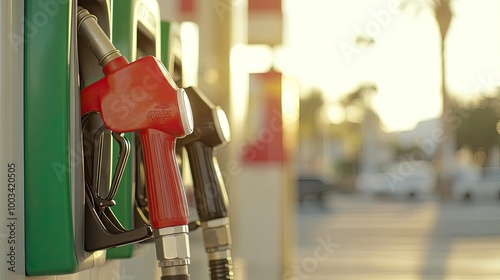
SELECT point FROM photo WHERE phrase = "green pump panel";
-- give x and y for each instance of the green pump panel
(171, 50)
(54, 185)
(136, 25)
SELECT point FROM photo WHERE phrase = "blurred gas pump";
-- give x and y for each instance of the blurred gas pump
(141, 96)
(171, 50)
(211, 132)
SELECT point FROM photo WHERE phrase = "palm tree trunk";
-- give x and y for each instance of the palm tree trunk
(446, 147)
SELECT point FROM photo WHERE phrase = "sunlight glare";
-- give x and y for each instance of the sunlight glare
(404, 60)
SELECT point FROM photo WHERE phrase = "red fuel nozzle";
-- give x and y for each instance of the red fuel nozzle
(142, 97)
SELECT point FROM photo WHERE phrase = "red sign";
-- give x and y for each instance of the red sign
(265, 122)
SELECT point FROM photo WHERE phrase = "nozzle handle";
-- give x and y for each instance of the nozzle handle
(209, 190)
(166, 196)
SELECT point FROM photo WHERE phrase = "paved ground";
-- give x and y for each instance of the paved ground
(356, 237)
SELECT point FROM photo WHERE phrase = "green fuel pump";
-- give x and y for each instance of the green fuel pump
(54, 190)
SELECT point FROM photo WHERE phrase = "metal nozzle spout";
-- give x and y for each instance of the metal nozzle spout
(172, 251)
(99, 44)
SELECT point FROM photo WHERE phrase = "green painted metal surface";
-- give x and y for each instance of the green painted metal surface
(170, 51)
(49, 224)
(165, 45)
(122, 39)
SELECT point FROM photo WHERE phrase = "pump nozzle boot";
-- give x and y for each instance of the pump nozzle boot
(141, 96)
(211, 132)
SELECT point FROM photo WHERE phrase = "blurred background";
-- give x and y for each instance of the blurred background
(365, 134)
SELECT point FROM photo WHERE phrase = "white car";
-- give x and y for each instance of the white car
(474, 182)
(403, 178)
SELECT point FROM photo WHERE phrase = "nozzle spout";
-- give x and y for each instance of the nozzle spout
(99, 44)
(172, 252)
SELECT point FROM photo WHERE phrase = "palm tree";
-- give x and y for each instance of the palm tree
(446, 149)
(361, 98)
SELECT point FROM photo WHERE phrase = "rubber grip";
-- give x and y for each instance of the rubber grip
(176, 277)
(209, 190)
(166, 196)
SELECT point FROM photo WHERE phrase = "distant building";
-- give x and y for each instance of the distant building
(424, 137)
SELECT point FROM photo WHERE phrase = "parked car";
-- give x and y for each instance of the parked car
(474, 182)
(402, 178)
(313, 186)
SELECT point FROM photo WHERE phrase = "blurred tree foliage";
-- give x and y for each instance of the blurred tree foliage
(309, 107)
(476, 123)
(352, 132)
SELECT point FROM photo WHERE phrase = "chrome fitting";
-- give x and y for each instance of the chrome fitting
(217, 238)
(172, 250)
(222, 254)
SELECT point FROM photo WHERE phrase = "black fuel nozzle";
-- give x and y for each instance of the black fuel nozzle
(211, 131)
